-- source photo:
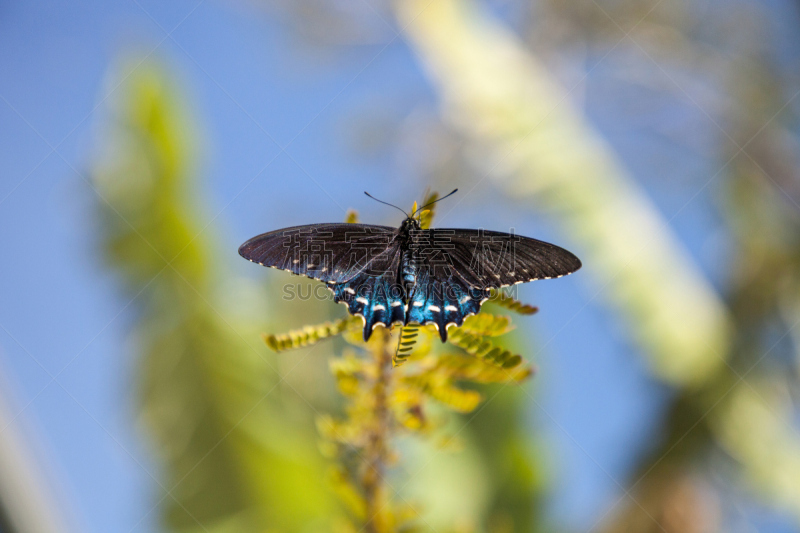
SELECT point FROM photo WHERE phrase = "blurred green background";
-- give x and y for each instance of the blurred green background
(142, 142)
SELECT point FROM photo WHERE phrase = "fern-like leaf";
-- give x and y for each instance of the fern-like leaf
(501, 298)
(348, 370)
(487, 324)
(484, 348)
(405, 344)
(457, 399)
(459, 367)
(309, 335)
(461, 400)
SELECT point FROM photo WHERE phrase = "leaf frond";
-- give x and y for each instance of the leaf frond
(405, 344)
(459, 367)
(483, 348)
(443, 391)
(348, 371)
(501, 298)
(487, 324)
(308, 335)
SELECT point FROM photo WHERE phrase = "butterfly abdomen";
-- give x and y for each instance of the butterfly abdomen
(408, 272)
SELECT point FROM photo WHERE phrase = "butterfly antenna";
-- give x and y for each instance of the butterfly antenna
(386, 203)
(437, 200)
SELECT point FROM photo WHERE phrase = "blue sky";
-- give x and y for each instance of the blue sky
(253, 90)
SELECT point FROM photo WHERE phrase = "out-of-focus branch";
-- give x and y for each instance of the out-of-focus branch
(231, 459)
(756, 429)
(26, 505)
(501, 98)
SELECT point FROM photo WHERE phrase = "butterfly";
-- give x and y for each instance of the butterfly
(408, 274)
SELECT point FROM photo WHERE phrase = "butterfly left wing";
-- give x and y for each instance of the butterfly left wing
(359, 262)
(459, 267)
(332, 253)
(375, 293)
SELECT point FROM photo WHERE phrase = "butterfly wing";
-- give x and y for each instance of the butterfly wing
(332, 253)
(441, 298)
(359, 262)
(375, 293)
(458, 268)
(492, 259)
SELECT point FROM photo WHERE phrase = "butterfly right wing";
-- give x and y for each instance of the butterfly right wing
(457, 268)
(440, 297)
(492, 259)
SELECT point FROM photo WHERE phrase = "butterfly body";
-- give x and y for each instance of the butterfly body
(408, 274)
(408, 264)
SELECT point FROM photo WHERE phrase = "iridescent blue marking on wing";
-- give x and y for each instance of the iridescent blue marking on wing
(374, 293)
(443, 302)
(377, 299)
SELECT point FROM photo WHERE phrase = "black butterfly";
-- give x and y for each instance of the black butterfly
(408, 274)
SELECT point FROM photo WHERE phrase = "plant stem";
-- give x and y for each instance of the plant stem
(376, 452)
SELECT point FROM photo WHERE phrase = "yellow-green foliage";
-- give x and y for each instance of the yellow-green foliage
(459, 367)
(482, 347)
(426, 215)
(229, 460)
(486, 324)
(441, 389)
(405, 344)
(351, 217)
(308, 335)
(502, 298)
(389, 382)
